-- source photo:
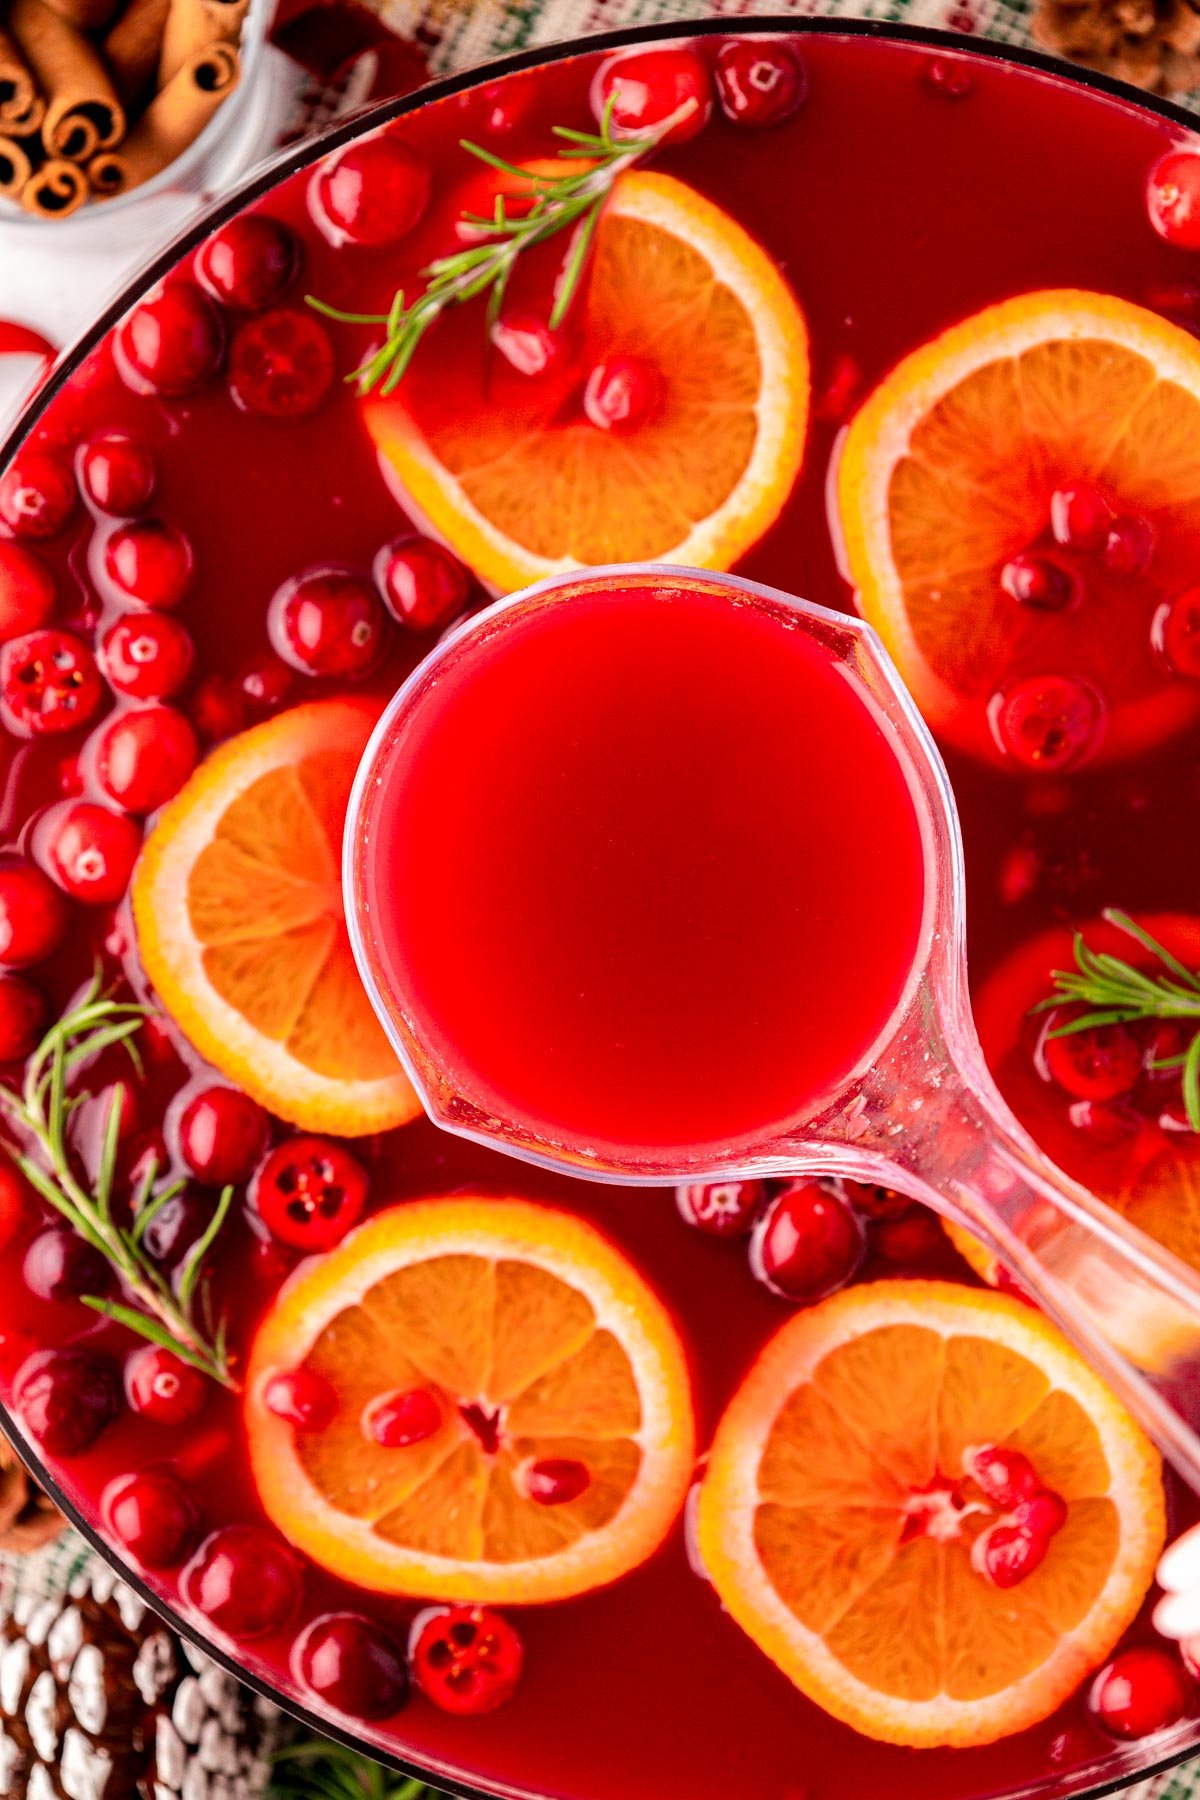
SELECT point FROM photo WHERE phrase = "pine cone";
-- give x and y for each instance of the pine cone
(1154, 44)
(28, 1518)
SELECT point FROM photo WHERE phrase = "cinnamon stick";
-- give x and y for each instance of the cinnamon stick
(174, 119)
(21, 106)
(83, 113)
(56, 189)
(194, 24)
(85, 15)
(15, 166)
(133, 46)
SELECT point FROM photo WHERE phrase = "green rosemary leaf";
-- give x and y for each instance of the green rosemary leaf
(500, 162)
(1123, 922)
(572, 269)
(107, 1169)
(151, 1204)
(1191, 1082)
(148, 1328)
(189, 1275)
(44, 1184)
(344, 318)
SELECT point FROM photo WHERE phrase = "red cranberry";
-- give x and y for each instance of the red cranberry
(397, 1420)
(117, 474)
(172, 343)
(722, 1209)
(143, 756)
(466, 1659)
(1173, 198)
(88, 850)
(1048, 722)
(302, 1397)
(14, 1205)
(37, 494)
(61, 1266)
(619, 393)
(49, 682)
(26, 591)
(147, 656)
(759, 82)
(1006, 1477)
(1141, 1690)
(1175, 631)
(244, 1581)
(150, 561)
(281, 364)
(950, 78)
(24, 1011)
(556, 1480)
(309, 1192)
(33, 915)
(151, 1516)
(66, 1398)
(266, 684)
(372, 192)
(1039, 582)
(351, 1665)
(527, 343)
(218, 708)
(175, 1227)
(328, 621)
(222, 1135)
(250, 263)
(1098, 1064)
(424, 585)
(648, 87)
(1006, 1554)
(807, 1243)
(909, 1239)
(1080, 517)
(875, 1202)
(1129, 547)
(164, 1388)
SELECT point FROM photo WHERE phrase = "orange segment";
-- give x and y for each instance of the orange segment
(947, 473)
(539, 1343)
(238, 907)
(815, 1521)
(522, 485)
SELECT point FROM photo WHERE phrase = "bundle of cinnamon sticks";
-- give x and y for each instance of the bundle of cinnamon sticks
(96, 96)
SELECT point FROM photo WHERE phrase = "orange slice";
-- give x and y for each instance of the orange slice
(539, 1343)
(948, 471)
(836, 1518)
(238, 906)
(521, 485)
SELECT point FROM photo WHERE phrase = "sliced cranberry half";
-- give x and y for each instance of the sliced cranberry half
(1048, 722)
(49, 682)
(352, 1665)
(281, 364)
(1173, 198)
(309, 1192)
(1100, 1063)
(466, 1659)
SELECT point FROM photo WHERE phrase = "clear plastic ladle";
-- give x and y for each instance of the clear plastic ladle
(921, 1114)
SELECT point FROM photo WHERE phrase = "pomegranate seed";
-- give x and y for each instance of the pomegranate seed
(422, 584)
(1141, 1690)
(117, 474)
(142, 757)
(309, 1192)
(162, 1387)
(1039, 582)
(466, 1659)
(807, 1243)
(949, 78)
(1006, 1477)
(49, 682)
(150, 561)
(1173, 198)
(1129, 548)
(1048, 722)
(328, 621)
(302, 1397)
(350, 1664)
(24, 1011)
(527, 343)
(1043, 1514)
(371, 192)
(556, 1480)
(147, 656)
(724, 1209)
(281, 364)
(648, 87)
(397, 1420)
(33, 915)
(1006, 1554)
(249, 263)
(151, 1516)
(66, 1398)
(222, 1135)
(88, 851)
(172, 343)
(243, 1581)
(620, 393)
(59, 1266)
(26, 591)
(759, 83)
(1101, 1063)
(1175, 632)
(37, 494)
(1080, 517)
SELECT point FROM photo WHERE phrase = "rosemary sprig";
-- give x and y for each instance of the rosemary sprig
(553, 203)
(41, 1111)
(326, 1771)
(1116, 993)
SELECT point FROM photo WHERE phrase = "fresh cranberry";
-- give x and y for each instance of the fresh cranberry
(1049, 722)
(1129, 547)
(1006, 1554)
(909, 1239)
(143, 756)
(66, 1398)
(328, 621)
(309, 1192)
(150, 561)
(1173, 198)
(527, 343)
(351, 1665)
(26, 591)
(33, 915)
(725, 1209)
(49, 682)
(59, 1265)
(1039, 582)
(172, 343)
(556, 1480)
(89, 851)
(759, 82)
(372, 192)
(807, 1243)
(1141, 1690)
(244, 1581)
(37, 494)
(302, 1397)
(267, 684)
(250, 263)
(151, 1516)
(466, 1659)
(222, 1135)
(177, 1225)
(15, 1205)
(874, 1201)
(164, 1388)
(24, 1011)
(424, 585)
(1006, 1477)
(1100, 1063)
(397, 1420)
(949, 78)
(281, 364)
(218, 708)
(620, 393)
(1175, 631)
(147, 656)
(1080, 517)
(648, 87)
(117, 474)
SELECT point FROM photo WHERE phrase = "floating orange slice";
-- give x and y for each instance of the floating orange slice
(238, 906)
(837, 1518)
(521, 485)
(948, 472)
(542, 1348)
